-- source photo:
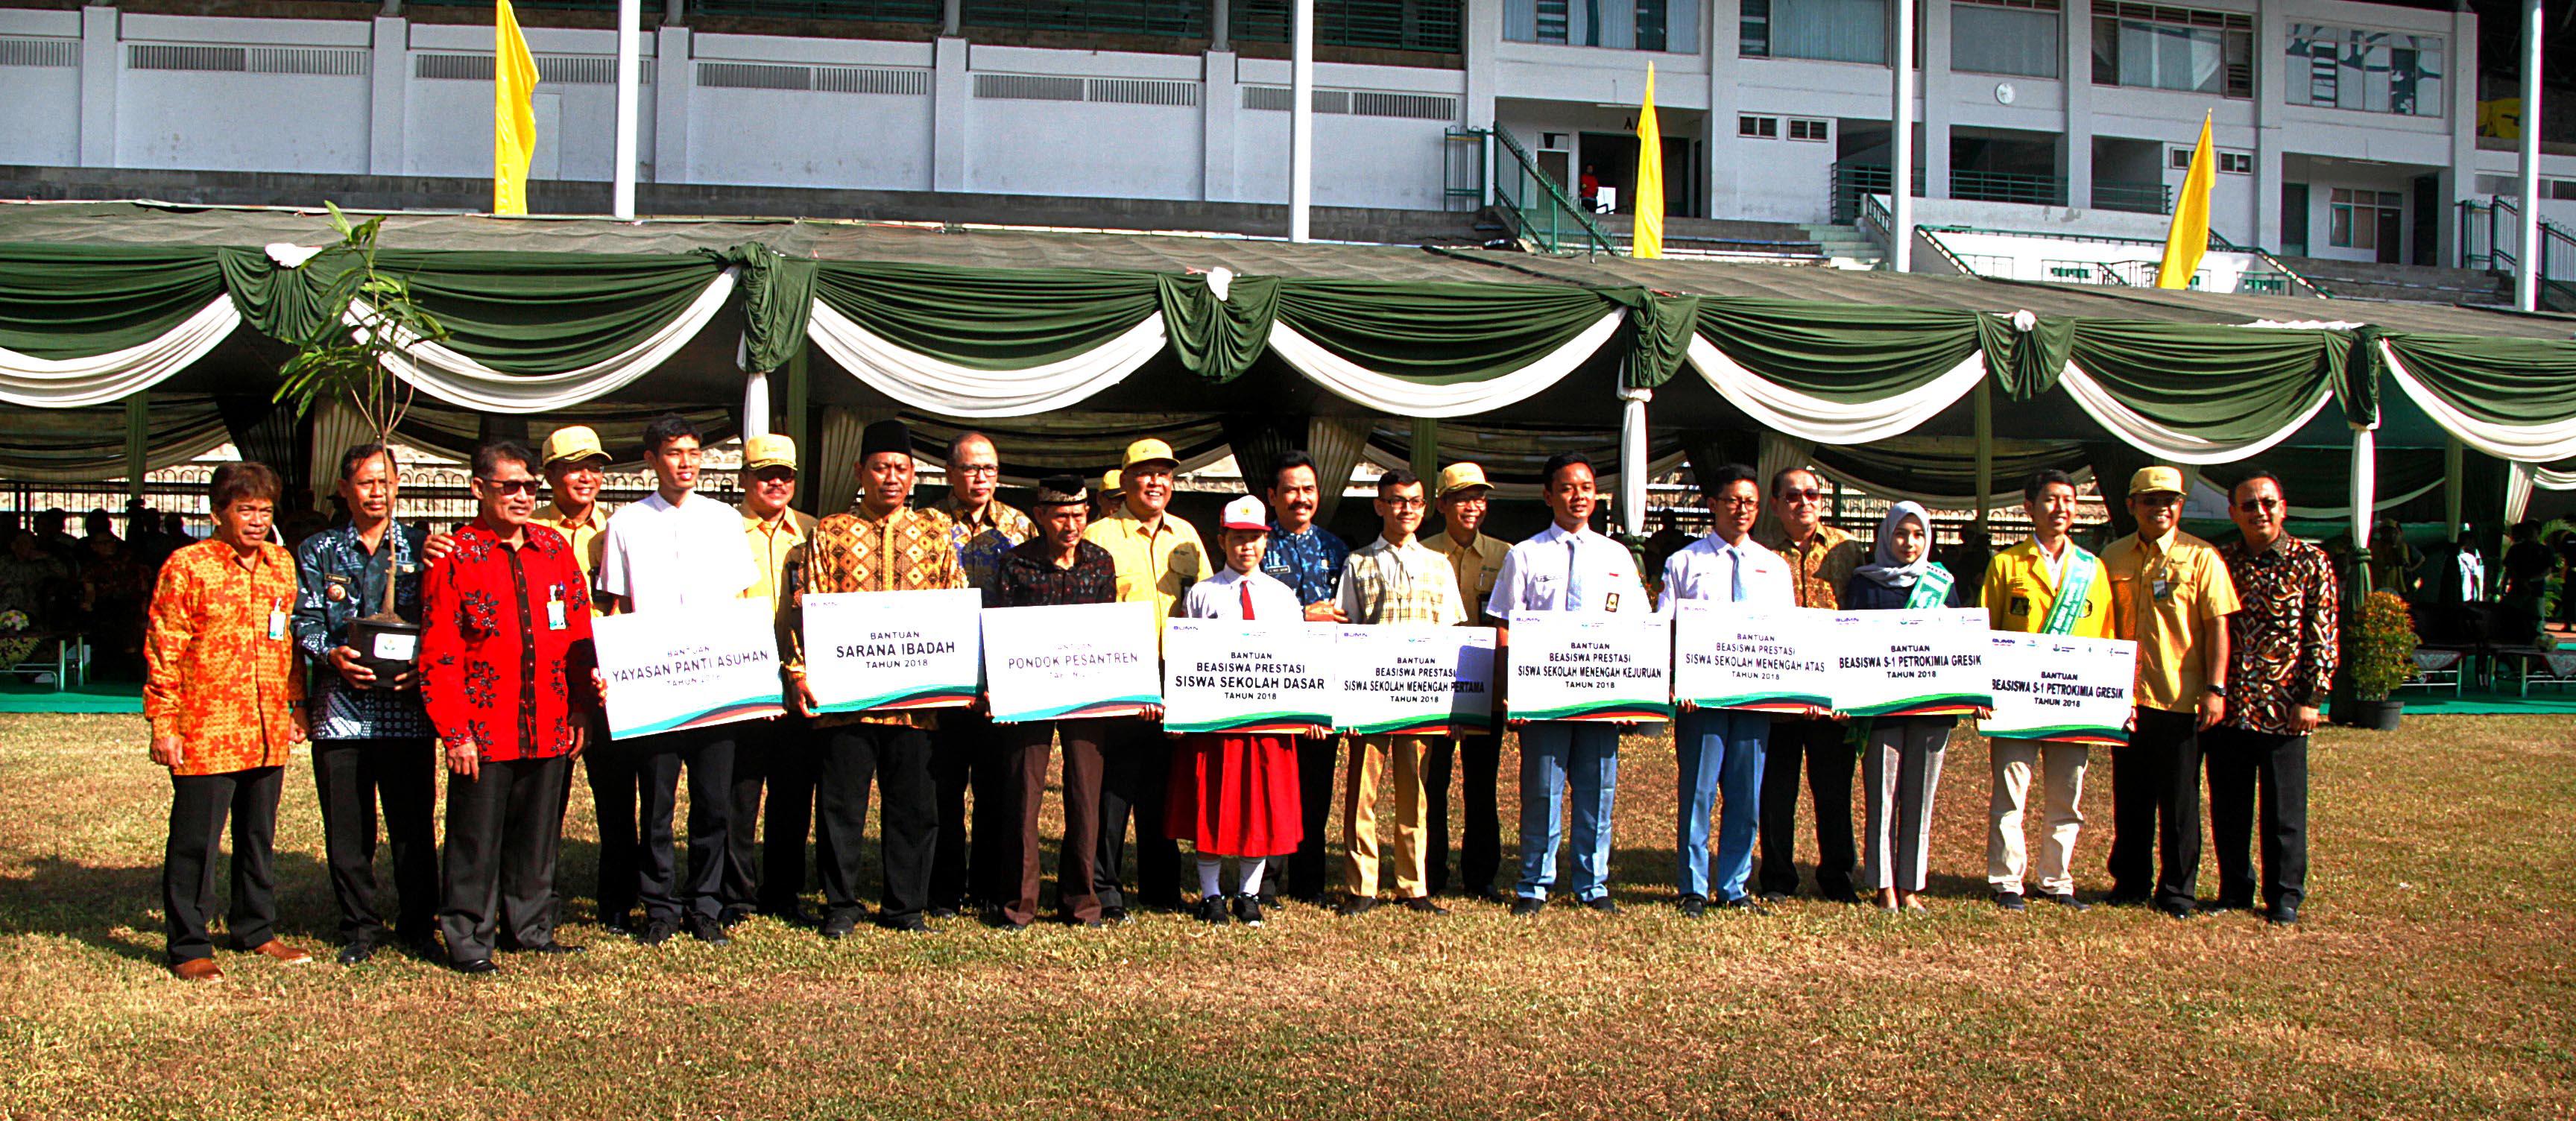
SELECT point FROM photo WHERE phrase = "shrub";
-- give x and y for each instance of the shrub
(2383, 649)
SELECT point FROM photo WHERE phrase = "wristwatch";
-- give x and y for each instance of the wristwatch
(2218, 688)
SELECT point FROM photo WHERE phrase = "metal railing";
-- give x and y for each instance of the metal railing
(1537, 208)
(2496, 225)
(1394, 25)
(1178, 19)
(927, 12)
(2134, 198)
(2002, 186)
(1464, 161)
(1852, 182)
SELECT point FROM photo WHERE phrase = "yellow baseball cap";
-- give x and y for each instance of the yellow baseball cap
(1148, 450)
(2156, 480)
(572, 441)
(771, 450)
(1460, 476)
(1109, 481)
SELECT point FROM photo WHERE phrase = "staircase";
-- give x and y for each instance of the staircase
(1846, 247)
(2370, 280)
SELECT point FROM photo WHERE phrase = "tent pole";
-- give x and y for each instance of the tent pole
(630, 49)
(755, 403)
(1301, 118)
(1426, 451)
(1900, 180)
(2532, 255)
(138, 440)
(2454, 468)
(1985, 419)
(799, 420)
(2365, 496)
(1632, 459)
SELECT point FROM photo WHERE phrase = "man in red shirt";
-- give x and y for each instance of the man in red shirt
(509, 677)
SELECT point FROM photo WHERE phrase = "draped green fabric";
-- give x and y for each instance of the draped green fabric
(76, 301)
(2025, 364)
(1943, 469)
(2362, 369)
(2500, 381)
(1658, 336)
(2222, 384)
(87, 444)
(988, 319)
(1441, 334)
(1218, 339)
(519, 313)
(1846, 352)
(777, 302)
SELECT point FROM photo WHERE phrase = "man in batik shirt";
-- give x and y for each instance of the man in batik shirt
(984, 529)
(2281, 643)
(1309, 559)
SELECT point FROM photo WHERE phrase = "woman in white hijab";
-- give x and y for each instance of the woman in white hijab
(1901, 766)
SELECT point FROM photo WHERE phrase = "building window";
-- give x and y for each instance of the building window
(2230, 161)
(1396, 25)
(1827, 30)
(2156, 47)
(1808, 128)
(2353, 217)
(1640, 25)
(2006, 37)
(2373, 71)
(1760, 128)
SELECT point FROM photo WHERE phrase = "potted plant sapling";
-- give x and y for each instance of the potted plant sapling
(366, 316)
(2383, 658)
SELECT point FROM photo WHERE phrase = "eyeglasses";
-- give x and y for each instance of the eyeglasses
(1403, 503)
(1809, 494)
(2252, 505)
(1739, 502)
(980, 471)
(2161, 498)
(509, 486)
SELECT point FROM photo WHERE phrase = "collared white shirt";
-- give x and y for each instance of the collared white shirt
(1708, 569)
(656, 555)
(1537, 573)
(2056, 565)
(1221, 597)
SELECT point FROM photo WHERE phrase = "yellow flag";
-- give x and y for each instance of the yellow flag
(514, 116)
(1649, 238)
(2188, 238)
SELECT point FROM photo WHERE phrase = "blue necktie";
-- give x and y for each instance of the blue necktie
(1735, 574)
(1574, 598)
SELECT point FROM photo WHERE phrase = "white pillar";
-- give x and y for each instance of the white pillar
(2365, 483)
(630, 85)
(2526, 258)
(100, 64)
(1900, 176)
(1301, 118)
(755, 403)
(388, 75)
(1632, 459)
(673, 79)
(951, 87)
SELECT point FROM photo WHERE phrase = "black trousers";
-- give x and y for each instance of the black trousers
(1480, 849)
(616, 787)
(1025, 748)
(2242, 765)
(1135, 776)
(199, 805)
(780, 758)
(350, 777)
(1318, 761)
(707, 755)
(897, 759)
(1830, 761)
(977, 864)
(2155, 809)
(503, 833)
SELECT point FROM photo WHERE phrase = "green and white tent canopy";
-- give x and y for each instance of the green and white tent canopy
(101, 302)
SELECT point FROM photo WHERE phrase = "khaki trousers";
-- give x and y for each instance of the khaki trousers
(1368, 766)
(2007, 855)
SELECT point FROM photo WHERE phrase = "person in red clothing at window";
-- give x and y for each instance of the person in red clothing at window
(509, 678)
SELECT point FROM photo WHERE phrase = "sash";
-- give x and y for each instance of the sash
(1932, 589)
(2068, 607)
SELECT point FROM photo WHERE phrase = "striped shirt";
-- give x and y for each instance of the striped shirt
(1390, 583)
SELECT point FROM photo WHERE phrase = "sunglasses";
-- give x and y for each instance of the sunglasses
(1810, 494)
(509, 486)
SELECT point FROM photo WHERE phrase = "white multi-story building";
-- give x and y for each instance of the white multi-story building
(2343, 129)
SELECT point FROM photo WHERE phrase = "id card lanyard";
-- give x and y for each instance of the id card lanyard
(555, 607)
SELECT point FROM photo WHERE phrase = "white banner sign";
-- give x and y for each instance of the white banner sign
(2052, 687)
(1414, 680)
(1246, 676)
(689, 667)
(1727, 655)
(1062, 663)
(1590, 666)
(1911, 663)
(886, 651)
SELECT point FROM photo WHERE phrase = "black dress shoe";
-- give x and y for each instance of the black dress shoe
(2010, 901)
(1605, 905)
(2223, 903)
(1247, 910)
(943, 911)
(551, 947)
(1354, 906)
(1212, 910)
(839, 924)
(656, 933)
(709, 931)
(1491, 895)
(2067, 900)
(732, 916)
(909, 924)
(1746, 904)
(1527, 905)
(1693, 906)
(2119, 898)
(2177, 910)
(2279, 915)
(623, 922)
(478, 965)
(1422, 904)
(1776, 897)
(357, 953)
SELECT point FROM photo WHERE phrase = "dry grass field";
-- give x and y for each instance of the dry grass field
(2434, 976)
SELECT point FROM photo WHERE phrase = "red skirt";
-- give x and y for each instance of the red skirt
(1234, 795)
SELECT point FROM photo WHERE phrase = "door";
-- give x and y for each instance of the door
(2391, 232)
(2422, 248)
(1555, 166)
(2294, 219)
